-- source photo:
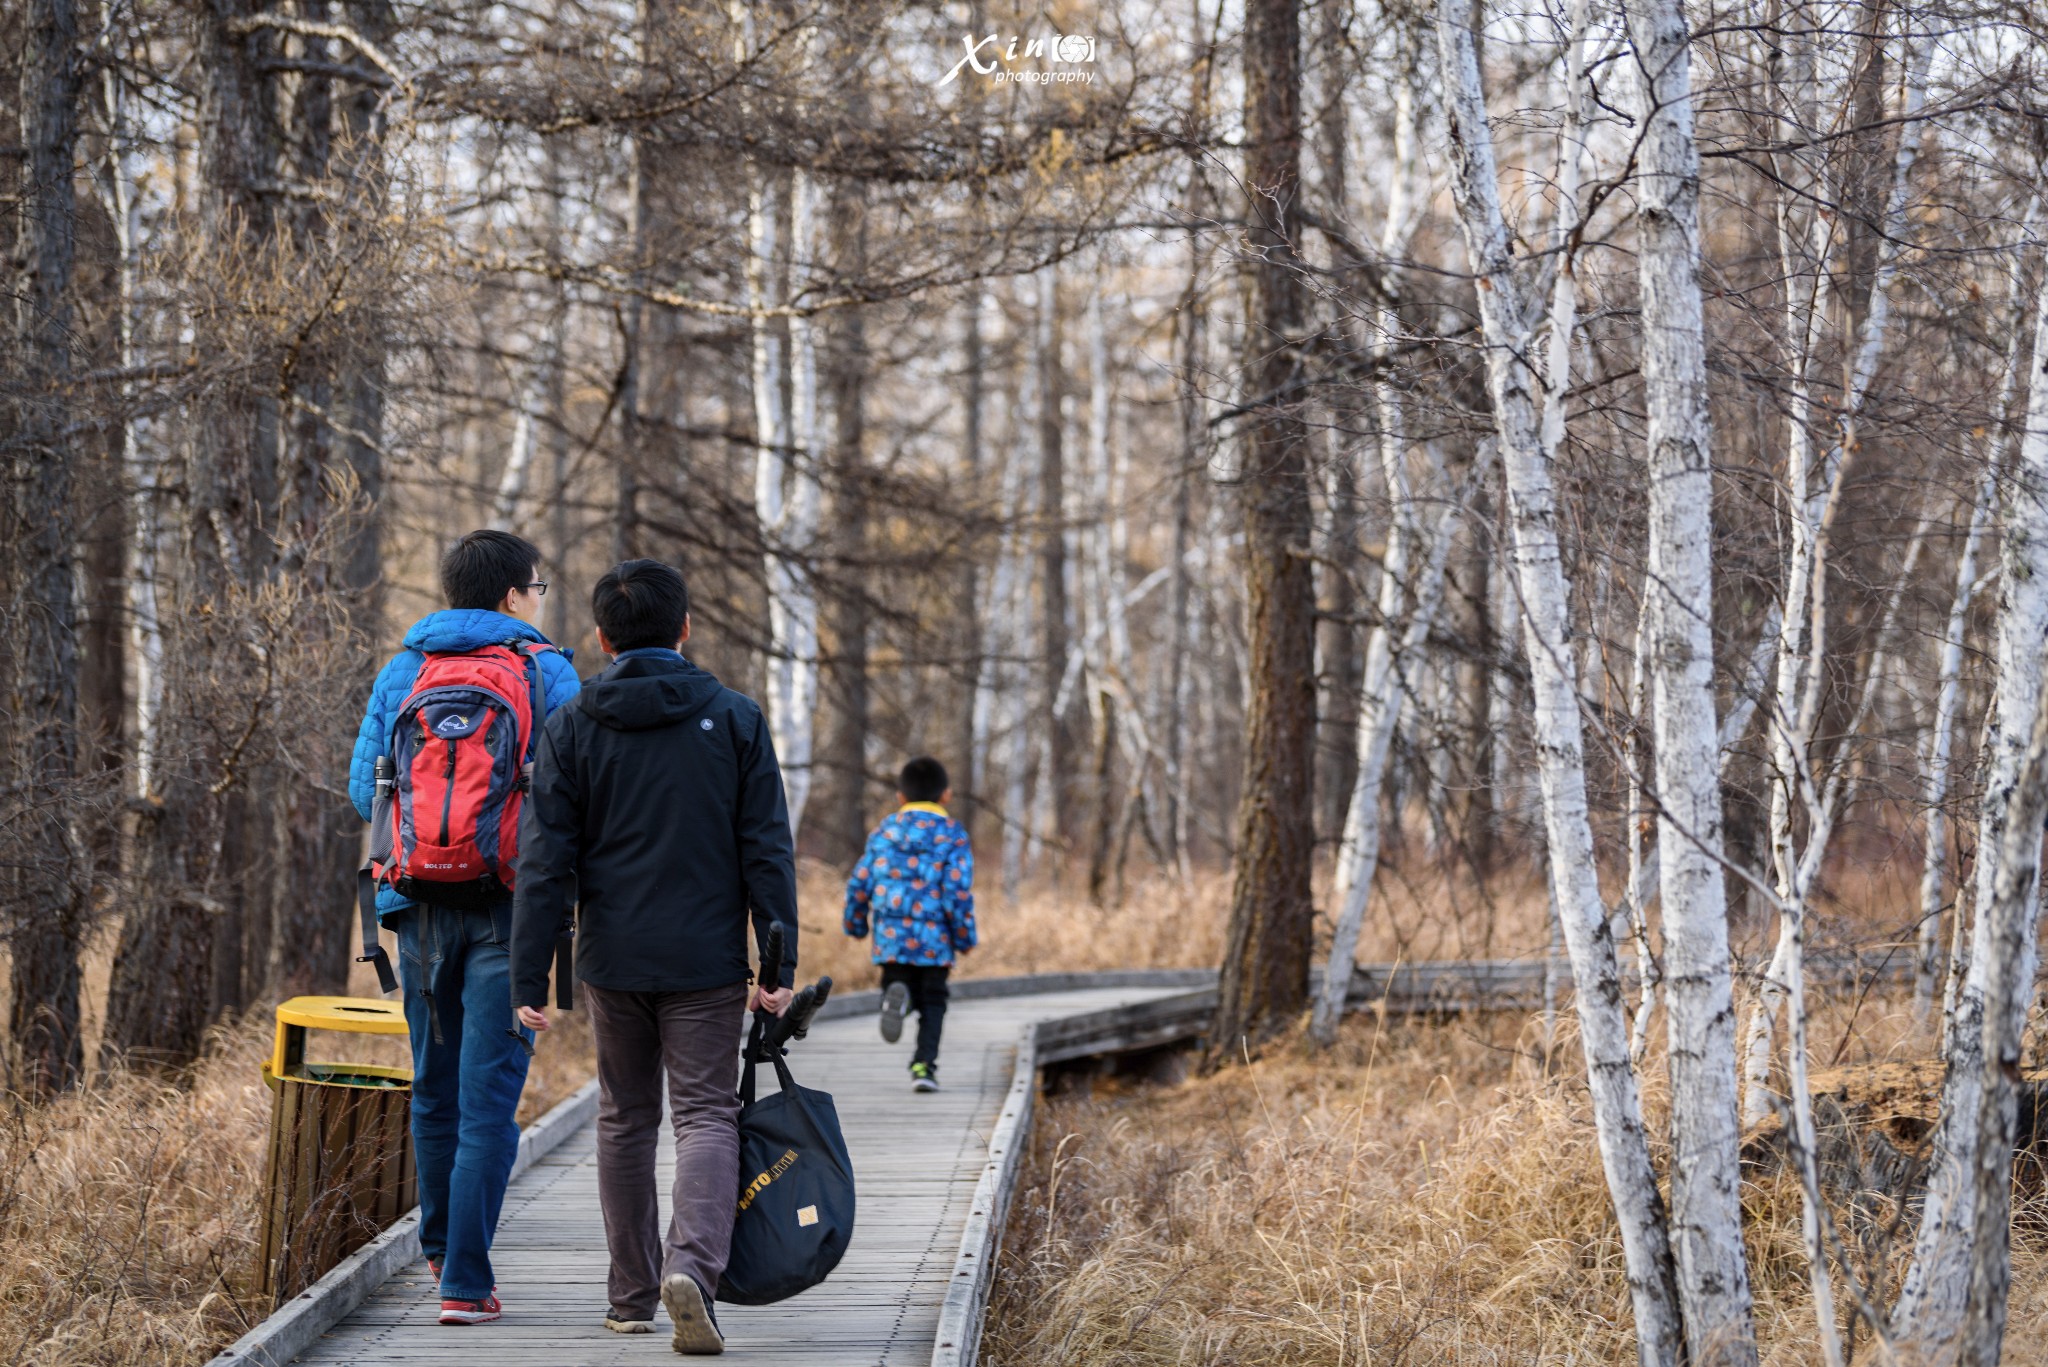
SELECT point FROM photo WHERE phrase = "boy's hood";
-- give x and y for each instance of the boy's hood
(647, 692)
(903, 830)
(454, 629)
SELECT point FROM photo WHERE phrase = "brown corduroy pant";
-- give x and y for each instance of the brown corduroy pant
(693, 1038)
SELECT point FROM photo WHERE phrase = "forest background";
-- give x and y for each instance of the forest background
(1327, 486)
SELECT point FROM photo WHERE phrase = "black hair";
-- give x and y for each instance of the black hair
(641, 603)
(923, 780)
(482, 568)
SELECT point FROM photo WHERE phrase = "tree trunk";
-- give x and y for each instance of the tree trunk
(2009, 921)
(844, 831)
(48, 906)
(1560, 747)
(1266, 956)
(1382, 692)
(969, 760)
(1055, 781)
(1931, 1299)
(1706, 1176)
(1948, 686)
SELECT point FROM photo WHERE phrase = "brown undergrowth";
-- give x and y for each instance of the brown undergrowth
(1425, 1193)
(129, 1207)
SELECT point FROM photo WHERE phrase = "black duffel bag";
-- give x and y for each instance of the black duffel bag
(795, 1214)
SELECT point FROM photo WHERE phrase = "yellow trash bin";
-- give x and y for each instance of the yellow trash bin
(339, 1167)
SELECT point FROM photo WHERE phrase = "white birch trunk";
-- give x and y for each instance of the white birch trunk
(2010, 922)
(1532, 506)
(1812, 502)
(1931, 1299)
(1637, 895)
(1706, 1176)
(1948, 686)
(1380, 693)
(786, 489)
(1941, 739)
(997, 701)
(145, 623)
(1823, 801)
(792, 596)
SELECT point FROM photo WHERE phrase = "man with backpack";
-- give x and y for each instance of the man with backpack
(440, 768)
(658, 816)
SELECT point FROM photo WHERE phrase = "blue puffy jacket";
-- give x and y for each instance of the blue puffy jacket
(446, 632)
(914, 887)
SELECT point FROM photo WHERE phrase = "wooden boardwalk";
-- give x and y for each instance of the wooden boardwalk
(916, 1159)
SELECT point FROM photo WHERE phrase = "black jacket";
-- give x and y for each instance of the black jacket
(657, 804)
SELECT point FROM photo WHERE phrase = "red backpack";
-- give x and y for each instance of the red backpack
(462, 747)
(445, 825)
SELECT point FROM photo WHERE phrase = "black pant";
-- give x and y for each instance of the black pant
(928, 995)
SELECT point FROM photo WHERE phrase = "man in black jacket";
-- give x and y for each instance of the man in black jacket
(658, 805)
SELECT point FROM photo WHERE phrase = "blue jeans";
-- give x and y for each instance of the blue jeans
(468, 1070)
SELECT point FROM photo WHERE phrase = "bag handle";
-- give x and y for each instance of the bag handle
(759, 1051)
(752, 1054)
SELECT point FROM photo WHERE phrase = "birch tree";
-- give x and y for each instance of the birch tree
(786, 491)
(1706, 1179)
(1395, 634)
(1930, 1308)
(1507, 320)
(1812, 495)
(1948, 673)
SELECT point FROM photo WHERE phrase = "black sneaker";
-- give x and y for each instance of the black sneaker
(696, 1330)
(924, 1077)
(895, 1001)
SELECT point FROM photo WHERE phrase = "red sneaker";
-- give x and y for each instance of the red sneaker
(471, 1312)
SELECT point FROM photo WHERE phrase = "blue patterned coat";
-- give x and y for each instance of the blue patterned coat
(914, 886)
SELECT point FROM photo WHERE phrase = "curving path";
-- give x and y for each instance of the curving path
(917, 1160)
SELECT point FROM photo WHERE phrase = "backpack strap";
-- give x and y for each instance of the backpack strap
(373, 951)
(530, 652)
(381, 842)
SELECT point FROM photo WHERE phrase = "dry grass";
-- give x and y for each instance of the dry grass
(1160, 925)
(1425, 1194)
(129, 1208)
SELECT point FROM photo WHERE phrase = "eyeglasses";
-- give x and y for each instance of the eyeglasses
(538, 586)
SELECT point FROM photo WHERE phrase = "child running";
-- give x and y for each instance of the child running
(915, 886)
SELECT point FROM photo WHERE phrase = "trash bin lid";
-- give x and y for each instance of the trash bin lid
(349, 1015)
(356, 1015)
